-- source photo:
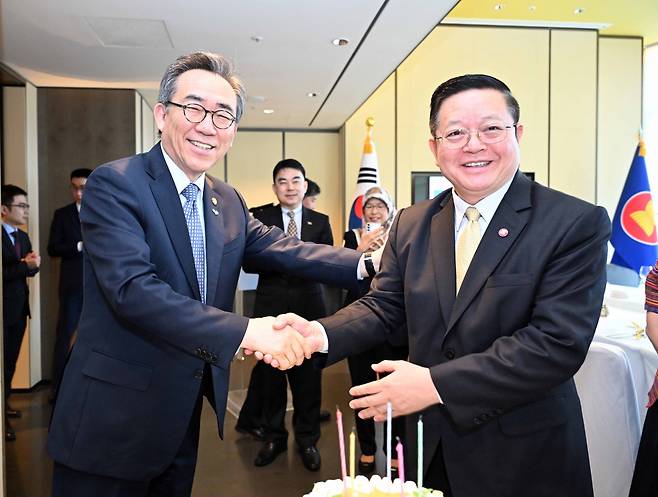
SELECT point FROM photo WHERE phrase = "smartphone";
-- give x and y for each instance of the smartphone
(372, 227)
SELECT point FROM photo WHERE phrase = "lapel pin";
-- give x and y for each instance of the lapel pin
(215, 212)
(503, 232)
(213, 200)
(309, 222)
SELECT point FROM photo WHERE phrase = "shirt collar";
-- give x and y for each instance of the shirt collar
(180, 178)
(9, 228)
(296, 211)
(486, 207)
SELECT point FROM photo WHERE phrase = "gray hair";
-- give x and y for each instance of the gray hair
(206, 61)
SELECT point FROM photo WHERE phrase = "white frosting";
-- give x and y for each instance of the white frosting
(333, 488)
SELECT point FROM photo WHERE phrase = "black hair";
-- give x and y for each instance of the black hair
(9, 192)
(288, 163)
(80, 173)
(313, 188)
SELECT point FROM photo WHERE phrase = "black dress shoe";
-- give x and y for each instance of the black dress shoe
(366, 468)
(269, 452)
(325, 416)
(256, 433)
(310, 457)
(13, 413)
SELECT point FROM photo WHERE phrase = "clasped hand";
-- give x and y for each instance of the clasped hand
(281, 342)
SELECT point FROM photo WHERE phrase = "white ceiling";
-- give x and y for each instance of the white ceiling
(74, 43)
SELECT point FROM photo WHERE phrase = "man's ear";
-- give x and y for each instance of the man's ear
(160, 114)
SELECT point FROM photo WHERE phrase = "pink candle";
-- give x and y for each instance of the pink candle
(398, 449)
(341, 445)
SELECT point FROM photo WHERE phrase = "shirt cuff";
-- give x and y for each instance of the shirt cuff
(361, 271)
(325, 339)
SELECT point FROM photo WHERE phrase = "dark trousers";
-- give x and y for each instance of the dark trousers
(361, 372)
(645, 476)
(13, 338)
(70, 307)
(251, 414)
(175, 481)
(306, 388)
(436, 476)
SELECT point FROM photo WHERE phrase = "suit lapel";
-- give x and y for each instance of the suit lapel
(7, 245)
(75, 221)
(442, 243)
(214, 221)
(168, 200)
(512, 214)
(307, 225)
(277, 219)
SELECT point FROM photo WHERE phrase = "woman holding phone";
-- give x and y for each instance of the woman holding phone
(378, 214)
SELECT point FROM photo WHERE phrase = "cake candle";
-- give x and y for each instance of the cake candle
(389, 426)
(341, 445)
(352, 457)
(419, 478)
(400, 453)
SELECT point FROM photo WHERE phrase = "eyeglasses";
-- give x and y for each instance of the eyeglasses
(489, 134)
(20, 206)
(195, 113)
(372, 207)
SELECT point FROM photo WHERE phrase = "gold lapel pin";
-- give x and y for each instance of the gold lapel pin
(213, 200)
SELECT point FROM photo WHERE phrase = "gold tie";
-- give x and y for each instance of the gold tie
(467, 244)
(292, 225)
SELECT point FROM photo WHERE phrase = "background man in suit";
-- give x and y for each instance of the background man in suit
(493, 341)
(164, 243)
(311, 195)
(19, 262)
(278, 293)
(65, 241)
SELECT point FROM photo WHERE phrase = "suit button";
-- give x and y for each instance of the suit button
(198, 352)
(198, 374)
(477, 421)
(449, 354)
(213, 358)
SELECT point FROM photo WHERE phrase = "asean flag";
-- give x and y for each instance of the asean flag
(368, 177)
(633, 227)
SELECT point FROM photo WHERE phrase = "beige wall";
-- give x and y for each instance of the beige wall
(580, 98)
(619, 120)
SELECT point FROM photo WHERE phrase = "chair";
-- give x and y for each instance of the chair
(612, 421)
(619, 275)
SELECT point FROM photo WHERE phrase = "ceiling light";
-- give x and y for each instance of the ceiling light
(499, 6)
(340, 42)
(268, 111)
(257, 39)
(311, 94)
(579, 10)
(532, 8)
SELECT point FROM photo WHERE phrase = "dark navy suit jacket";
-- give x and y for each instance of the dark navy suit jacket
(144, 337)
(65, 233)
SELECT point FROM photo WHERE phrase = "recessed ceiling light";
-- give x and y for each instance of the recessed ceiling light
(340, 42)
(257, 39)
(499, 6)
(311, 94)
(268, 111)
(532, 8)
(579, 10)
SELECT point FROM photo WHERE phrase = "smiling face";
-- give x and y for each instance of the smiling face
(14, 213)
(196, 147)
(476, 169)
(375, 211)
(289, 187)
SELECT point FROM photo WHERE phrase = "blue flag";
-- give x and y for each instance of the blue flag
(634, 227)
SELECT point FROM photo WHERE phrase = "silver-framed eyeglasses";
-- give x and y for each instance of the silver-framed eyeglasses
(195, 113)
(488, 133)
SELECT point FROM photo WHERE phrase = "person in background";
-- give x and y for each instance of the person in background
(311, 196)
(65, 241)
(645, 476)
(19, 262)
(278, 293)
(378, 214)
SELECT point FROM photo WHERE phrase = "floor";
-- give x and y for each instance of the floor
(225, 468)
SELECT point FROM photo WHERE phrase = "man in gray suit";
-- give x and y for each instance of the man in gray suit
(163, 246)
(500, 282)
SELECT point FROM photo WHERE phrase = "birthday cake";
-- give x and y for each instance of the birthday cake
(373, 487)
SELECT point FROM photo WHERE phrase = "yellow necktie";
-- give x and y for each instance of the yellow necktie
(467, 244)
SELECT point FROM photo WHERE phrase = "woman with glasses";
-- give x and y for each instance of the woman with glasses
(378, 214)
(645, 476)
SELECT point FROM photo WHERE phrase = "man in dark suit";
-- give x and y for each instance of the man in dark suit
(163, 246)
(19, 262)
(278, 293)
(500, 282)
(65, 241)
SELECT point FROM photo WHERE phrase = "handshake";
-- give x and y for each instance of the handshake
(284, 341)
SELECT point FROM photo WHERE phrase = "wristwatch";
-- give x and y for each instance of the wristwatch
(370, 267)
